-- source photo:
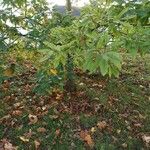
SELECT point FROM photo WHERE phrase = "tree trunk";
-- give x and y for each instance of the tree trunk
(70, 85)
(68, 5)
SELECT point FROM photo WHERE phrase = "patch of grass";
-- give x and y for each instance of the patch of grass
(124, 103)
(88, 121)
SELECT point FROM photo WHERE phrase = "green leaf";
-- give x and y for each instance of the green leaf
(133, 52)
(51, 45)
(115, 59)
(103, 64)
(122, 13)
(115, 71)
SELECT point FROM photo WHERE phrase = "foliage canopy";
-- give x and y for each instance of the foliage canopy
(96, 39)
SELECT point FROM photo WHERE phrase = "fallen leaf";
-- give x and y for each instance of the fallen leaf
(9, 146)
(129, 128)
(146, 139)
(93, 129)
(5, 118)
(81, 84)
(53, 116)
(85, 136)
(22, 138)
(89, 140)
(53, 71)
(41, 130)
(9, 72)
(96, 85)
(6, 145)
(44, 108)
(33, 119)
(37, 144)
(57, 132)
(102, 125)
(16, 105)
(141, 116)
(138, 125)
(17, 113)
(118, 131)
(124, 145)
(29, 134)
(58, 97)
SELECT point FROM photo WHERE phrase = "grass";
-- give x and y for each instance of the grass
(123, 103)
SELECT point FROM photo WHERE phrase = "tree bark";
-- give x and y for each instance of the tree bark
(68, 5)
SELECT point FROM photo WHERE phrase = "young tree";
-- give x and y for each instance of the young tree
(70, 83)
(95, 41)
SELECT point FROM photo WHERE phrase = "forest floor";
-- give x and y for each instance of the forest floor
(104, 114)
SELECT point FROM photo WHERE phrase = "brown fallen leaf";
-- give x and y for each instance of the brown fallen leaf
(17, 104)
(102, 125)
(33, 119)
(41, 130)
(85, 136)
(8, 98)
(7, 145)
(5, 118)
(137, 125)
(57, 132)
(17, 113)
(89, 140)
(37, 144)
(29, 134)
(58, 97)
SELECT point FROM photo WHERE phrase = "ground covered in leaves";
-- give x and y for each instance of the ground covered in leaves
(103, 114)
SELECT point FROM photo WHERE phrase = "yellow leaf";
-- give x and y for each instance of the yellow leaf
(22, 138)
(9, 71)
(53, 71)
(93, 129)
